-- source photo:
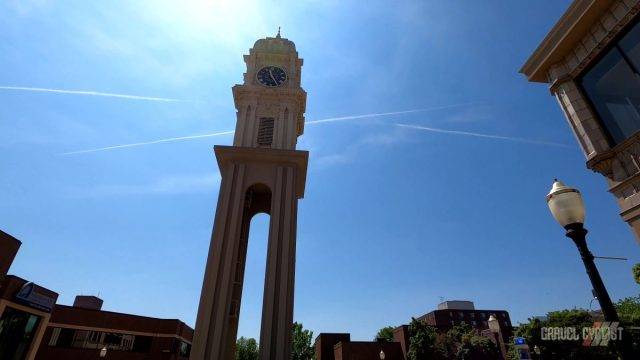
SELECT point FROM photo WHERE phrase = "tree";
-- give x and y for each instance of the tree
(636, 272)
(422, 341)
(629, 313)
(302, 348)
(474, 346)
(564, 349)
(385, 333)
(246, 349)
(459, 342)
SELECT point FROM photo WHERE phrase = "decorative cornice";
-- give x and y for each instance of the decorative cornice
(296, 158)
(570, 29)
(604, 162)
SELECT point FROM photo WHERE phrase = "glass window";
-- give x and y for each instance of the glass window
(94, 340)
(613, 86)
(142, 344)
(630, 46)
(79, 338)
(65, 338)
(184, 349)
(17, 329)
(614, 90)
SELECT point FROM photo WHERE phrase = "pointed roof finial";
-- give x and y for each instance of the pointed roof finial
(278, 35)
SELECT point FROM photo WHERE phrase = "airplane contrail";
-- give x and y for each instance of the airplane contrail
(312, 122)
(148, 143)
(352, 117)
(89, 93)
(489, 136)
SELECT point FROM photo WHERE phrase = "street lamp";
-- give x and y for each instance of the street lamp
(566, 206)
(536, 350)
(103, 352)
(494, 326)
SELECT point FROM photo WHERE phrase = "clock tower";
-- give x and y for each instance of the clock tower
(261, 172)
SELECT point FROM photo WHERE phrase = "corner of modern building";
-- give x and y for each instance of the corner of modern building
(591, 61)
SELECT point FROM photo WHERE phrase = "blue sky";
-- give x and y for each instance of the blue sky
(394, 218)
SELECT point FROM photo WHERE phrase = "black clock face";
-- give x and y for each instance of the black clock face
(271, 76)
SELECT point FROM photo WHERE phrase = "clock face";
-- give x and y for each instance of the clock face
(271, 76)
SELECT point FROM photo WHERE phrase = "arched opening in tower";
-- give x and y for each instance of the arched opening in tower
(253, 254)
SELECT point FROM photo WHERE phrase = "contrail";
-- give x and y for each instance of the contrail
(148, 143)
(352, 117)
(313, 122)
(489, 136)
(89, 93)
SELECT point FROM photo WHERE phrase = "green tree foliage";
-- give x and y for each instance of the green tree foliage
(473, 346)
(636, 272)
(629, 313)
(422, 343)
(385, 333)
(460, 342)
(571, 349)
(302, 348)
(246, 349)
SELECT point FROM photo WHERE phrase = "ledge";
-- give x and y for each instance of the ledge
(297, 158)
(574, 24)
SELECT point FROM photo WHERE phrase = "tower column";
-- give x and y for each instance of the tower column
(217, 316)
(277, 310)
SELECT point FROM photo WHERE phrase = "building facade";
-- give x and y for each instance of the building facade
(33, 326)
(25, 307)
(338, 346)
(83, 330)
(453, 313)
(262, 172)
(591, 61)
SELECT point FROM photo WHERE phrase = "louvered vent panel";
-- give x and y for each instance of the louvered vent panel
(265, 132)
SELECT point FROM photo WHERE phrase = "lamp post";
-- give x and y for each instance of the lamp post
(494, 326)
(567, 208)
(536, 350)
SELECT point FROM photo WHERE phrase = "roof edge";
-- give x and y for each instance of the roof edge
(555, 43)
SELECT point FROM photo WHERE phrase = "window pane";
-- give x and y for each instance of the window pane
(142, 344)
(614, 90)
(630, 45)
(17, 329)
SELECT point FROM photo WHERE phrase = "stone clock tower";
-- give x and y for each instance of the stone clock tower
(261, 172)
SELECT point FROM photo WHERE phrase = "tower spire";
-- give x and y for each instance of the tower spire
(278, 35)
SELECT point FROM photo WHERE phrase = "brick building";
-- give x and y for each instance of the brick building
(338, 346)
(451, 313)
(25, 307)
(590, 60)
(84, 329)
(33, 326)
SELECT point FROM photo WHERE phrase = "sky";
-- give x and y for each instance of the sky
(428, 183)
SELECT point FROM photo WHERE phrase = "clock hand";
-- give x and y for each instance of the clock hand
(273, 78)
